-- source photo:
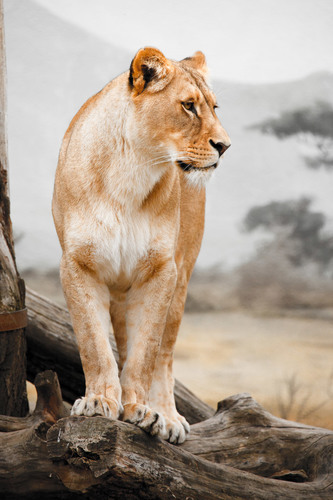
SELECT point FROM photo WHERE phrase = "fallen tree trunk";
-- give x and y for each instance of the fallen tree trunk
(51, 345)
(24, 462)
(241, 452)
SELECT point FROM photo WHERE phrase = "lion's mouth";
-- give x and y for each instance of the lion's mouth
(188, 167)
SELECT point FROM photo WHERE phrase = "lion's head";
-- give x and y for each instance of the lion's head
(174, 113)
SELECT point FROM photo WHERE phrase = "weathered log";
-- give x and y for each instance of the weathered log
(266, 445)
(51, 344)
(24, 463)
(117, 458)
(224, 458)
(13, 399)
(49, 406)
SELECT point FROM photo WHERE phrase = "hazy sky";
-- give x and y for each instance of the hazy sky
(244, 40)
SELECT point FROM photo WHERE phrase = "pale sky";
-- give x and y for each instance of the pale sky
(243, 40)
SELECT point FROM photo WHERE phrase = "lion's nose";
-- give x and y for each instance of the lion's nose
(221, 148)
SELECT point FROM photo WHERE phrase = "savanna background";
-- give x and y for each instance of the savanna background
(260, 303)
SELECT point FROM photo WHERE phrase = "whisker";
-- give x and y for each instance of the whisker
(160, 159)
(155, 161)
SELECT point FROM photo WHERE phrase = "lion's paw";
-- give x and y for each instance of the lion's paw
(144, 417)
(96, 404)
(176, 430)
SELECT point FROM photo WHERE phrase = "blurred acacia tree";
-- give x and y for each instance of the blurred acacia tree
(294, 268)
(313, 126)
(294, 222)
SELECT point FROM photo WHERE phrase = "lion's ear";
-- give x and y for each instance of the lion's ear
(197, 62)
(150, 69)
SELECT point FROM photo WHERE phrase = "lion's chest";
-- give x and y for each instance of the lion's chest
(120, 241)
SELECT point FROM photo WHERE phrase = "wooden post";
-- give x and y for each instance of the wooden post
(13, 399)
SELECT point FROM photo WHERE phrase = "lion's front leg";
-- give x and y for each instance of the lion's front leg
(148, 302)
(161, 395)
(162, 400)
(88, 302)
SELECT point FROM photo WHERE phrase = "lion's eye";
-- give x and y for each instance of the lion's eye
(189, 106)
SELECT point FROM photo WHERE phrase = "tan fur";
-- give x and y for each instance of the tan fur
(128, 207)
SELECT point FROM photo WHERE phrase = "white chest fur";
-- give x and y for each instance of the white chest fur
(117, 240)
(130, 239)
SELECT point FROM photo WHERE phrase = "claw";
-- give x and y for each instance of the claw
(96, 405)
(149, 420)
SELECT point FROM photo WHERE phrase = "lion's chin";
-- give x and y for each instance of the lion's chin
(197, 176)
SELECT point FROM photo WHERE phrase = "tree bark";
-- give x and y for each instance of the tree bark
(13, 400)
(241, 452)
(51, 344)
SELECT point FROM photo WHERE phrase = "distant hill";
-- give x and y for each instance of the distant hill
(249, 103)
(53, 67)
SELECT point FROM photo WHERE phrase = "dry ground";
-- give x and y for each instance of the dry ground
(284, 363)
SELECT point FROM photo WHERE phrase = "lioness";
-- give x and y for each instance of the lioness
(128, 206)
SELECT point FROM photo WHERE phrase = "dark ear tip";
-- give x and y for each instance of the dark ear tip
(148, 73)
(130, 78)
(149, 65)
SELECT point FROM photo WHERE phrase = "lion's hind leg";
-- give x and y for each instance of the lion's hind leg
(146, 418)
(147, 307)
(138, 414)
(118, 319)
